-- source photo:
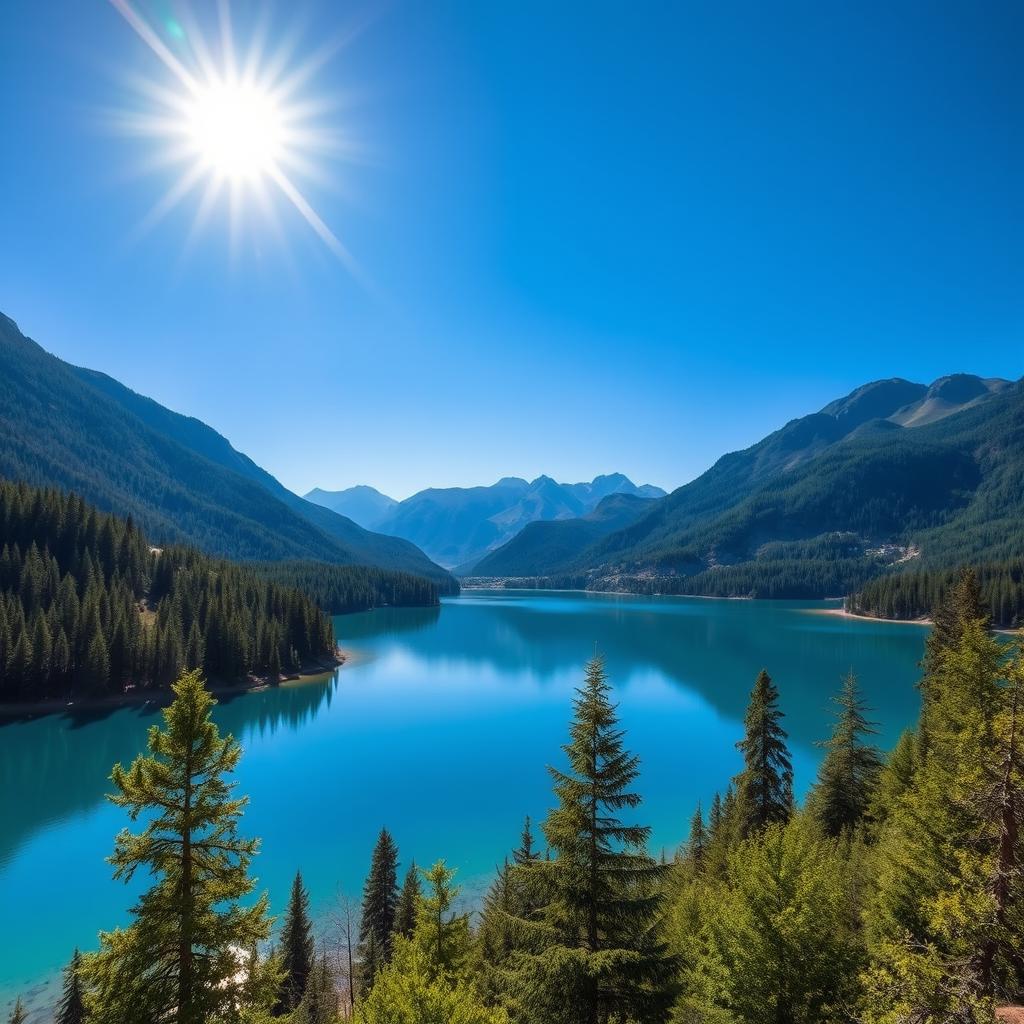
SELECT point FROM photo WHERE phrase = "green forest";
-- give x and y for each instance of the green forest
(891, 895)
(913, 595)
(88, 607)
(339, 589)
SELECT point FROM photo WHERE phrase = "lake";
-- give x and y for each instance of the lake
(439, 726)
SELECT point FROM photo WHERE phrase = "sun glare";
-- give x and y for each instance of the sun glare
(236, 130)
(234, 124)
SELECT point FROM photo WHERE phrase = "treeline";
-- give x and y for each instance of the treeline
(892, 896)
(88, 607)
(912, 595)
(339, 589)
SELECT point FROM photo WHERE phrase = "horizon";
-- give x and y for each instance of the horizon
(652, 227)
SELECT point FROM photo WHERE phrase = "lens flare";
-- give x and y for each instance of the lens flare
(234, 124)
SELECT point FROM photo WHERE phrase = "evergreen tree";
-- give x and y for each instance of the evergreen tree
(71, 1009)
(765, 786)
(297, 947)
(526, 854)
(441, 933)
(410, 991)
(178, 960)
(696, 846)
(380, 900)
(849, 774)
(19, 1015)
(408, 903)
(603, 957)
(778, 943)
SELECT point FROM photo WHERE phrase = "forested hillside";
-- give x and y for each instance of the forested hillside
(338, 589)
(873, 481)
(915, 594)
(542, 544)
(87, 607)
(181, 481)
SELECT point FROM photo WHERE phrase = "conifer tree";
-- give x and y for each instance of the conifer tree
(178, 960)
(19, 1015)
(603, 957)
(526, 854)
(696, 846)
(765, 786)
(71, 1009)
(380, 900)
(297, 947)
(441, 932)
(408, 903)
(849, 774)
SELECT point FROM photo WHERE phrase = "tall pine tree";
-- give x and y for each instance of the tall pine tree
(297, 947)
(765, 786)
(71, 1009)
(178, 960)
(408, 903)
(603, 958)
(380, 900)
(849, 774)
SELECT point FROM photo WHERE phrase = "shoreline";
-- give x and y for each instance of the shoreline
(843, 613)
(26, 710)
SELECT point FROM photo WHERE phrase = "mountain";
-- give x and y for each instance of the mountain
(363, 505)
(176, 477)
(456, 526)
(893, 473)
(542, 544)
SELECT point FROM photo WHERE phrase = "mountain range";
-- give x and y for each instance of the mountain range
(73, 428)
(457, 526)
(894, 473)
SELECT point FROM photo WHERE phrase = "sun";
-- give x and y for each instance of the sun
(236, 130)
(233, 124)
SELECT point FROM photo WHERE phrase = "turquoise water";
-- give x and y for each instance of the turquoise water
(440, 726)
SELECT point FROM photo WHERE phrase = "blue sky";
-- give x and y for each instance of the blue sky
(590, 236)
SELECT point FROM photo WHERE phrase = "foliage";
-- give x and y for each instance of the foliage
(297, 947)
(71, 1009)
(410, 991)
(915, 594)
(86, 606)
(847, 778)
(179, 959)
(339, 589)
(765, 786)
(380, 900)
(600, 952)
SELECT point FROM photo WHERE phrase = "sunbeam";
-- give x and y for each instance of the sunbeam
(234, 119)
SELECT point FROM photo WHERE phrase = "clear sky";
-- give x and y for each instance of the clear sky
(589, 236)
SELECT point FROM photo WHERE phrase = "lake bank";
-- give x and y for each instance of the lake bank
(160, 698)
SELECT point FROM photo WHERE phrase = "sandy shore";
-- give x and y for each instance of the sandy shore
(160, 698)
(844, 614)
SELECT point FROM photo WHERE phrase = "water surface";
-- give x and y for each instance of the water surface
(440, 726)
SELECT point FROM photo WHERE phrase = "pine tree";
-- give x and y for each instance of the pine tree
(696, 846)
(380, 899)
(603, 957)
(408, 903)
(441, 933)
(72, 1004)
(526, 854)
(178, 959)
(765, 786)
(19, 1015)
(297, 947)
(849, 774)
